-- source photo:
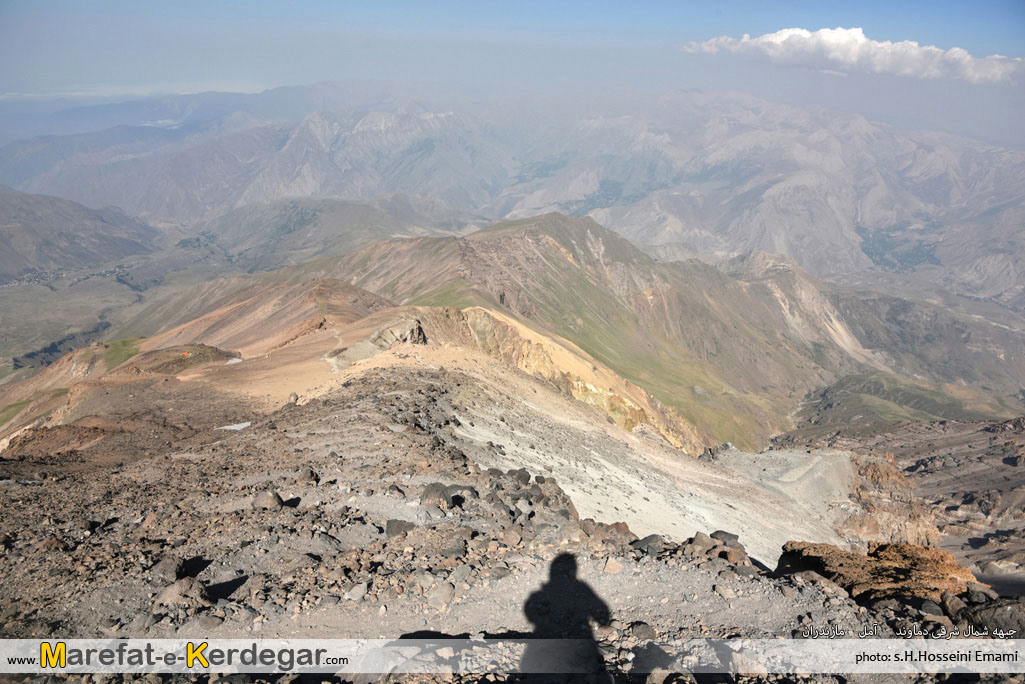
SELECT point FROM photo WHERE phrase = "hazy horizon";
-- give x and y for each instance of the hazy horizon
(956, 67)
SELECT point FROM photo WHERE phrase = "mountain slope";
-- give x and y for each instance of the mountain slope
(260, 318)
(507, 398)
(42, 234)
(734, 354)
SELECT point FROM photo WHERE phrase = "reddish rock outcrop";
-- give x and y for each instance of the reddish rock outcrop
(888, 571)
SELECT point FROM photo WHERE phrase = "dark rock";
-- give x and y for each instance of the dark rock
(458, 493)
(435, 492)
(455, 548)
(394, 528)
(978, 593)
(642, 631)
(886, 604)
(952, 605)
(725, 537)
(1002, 614)
(651, 545)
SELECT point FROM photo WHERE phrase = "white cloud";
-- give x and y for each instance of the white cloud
(850, 50)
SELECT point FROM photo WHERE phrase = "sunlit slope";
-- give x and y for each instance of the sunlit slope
(734, 352)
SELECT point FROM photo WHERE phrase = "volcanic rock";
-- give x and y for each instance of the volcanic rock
(1003, 614)
(899, 571)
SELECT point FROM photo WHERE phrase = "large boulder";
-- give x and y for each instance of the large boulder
(1003, 614)
(900, 571)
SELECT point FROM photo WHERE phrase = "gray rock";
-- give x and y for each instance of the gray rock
(435, 493)
(167, 570)
(651, 545)
(725, 591)
(394, 528)
(747, 571)
(460, 574)
(441, 595)
(642, 631)
(425, 579)
(725, 537)
(357, 592)
(268, 499)
(205, 623)
(434, 513)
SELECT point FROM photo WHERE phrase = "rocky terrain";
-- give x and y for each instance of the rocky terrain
(971, 477)
(397, 483)
(292, 403)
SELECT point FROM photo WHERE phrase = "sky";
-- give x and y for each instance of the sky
(926, 64)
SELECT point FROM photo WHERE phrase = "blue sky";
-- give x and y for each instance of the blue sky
(108, 48)
(52, 46)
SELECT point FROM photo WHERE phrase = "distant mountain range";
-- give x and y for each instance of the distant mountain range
(689, 174)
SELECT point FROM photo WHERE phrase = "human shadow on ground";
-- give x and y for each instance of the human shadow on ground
(562, 646)
(562, 612)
